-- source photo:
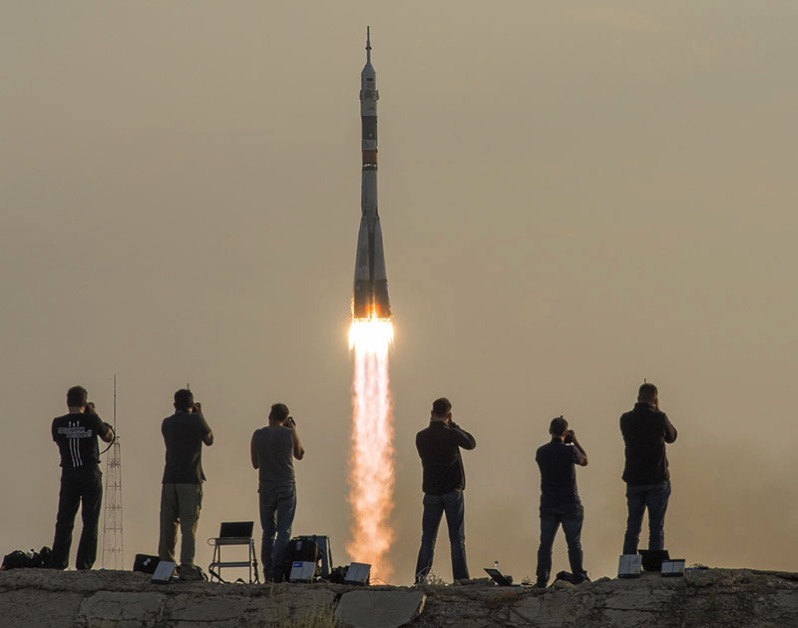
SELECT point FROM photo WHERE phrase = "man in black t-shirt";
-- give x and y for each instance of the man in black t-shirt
(443, 484)
(559, 499)
(181, 494)
(81, 479)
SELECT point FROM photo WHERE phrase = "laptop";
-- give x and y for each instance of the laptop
(629, 566)
(164, 572)
(358, 573)
(302, 571)
(673, 568)
(236, 529)
(499, 578)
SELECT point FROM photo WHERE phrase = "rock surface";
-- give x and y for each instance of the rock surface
(704, 598)
(379, 609)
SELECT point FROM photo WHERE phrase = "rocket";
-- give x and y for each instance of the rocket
(370, 298)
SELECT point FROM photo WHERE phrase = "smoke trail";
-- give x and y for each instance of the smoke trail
(372, 472)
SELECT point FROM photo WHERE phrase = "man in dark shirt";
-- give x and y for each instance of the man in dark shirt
(559, 499)
(273, 449)
(645, 431)
(443, 484)
(81, 479)
(181, 494)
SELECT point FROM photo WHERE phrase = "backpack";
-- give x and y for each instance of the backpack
(26, 560)
(338, 574)
(145, 563)
(304, 550)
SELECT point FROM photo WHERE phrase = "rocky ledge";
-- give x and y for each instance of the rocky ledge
(712, 597)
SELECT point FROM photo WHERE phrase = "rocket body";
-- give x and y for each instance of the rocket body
(370, 298)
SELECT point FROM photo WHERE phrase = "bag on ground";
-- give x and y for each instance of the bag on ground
(304, 550)
(26, 560)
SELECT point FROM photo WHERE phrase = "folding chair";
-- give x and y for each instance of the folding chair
(231, 534)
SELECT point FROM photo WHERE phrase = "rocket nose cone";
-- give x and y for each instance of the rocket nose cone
(368, 71)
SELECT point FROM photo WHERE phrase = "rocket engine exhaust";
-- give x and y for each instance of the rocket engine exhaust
(370, 339)
(372, 472)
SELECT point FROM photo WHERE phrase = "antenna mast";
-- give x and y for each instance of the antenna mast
(113, 538)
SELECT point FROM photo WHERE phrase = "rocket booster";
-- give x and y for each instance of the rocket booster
(370, 298)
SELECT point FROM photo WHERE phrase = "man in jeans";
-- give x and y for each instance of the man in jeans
(81, 479)
(181, 493)
(443, 484)
(273, 449)
(645, 431)
(559, 499)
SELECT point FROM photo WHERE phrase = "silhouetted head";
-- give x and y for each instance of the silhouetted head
(77, 397)
(558, 427)
(647, 393)
(184, 400)
(441, 409)
(278, 413)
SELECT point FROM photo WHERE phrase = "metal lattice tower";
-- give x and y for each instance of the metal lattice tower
(113, 539)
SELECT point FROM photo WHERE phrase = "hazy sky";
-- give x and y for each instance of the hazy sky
(574, 196)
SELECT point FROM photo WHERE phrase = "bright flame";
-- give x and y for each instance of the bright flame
(372, 335)
(372, 473)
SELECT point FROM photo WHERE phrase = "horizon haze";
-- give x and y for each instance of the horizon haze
(573, 198)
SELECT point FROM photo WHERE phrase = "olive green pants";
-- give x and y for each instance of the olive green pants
(180, 504)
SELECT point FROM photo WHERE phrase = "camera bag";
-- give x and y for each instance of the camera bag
(145, 563)
(302, 550)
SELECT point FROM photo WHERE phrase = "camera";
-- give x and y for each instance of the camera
(289, 422)
(569, 437)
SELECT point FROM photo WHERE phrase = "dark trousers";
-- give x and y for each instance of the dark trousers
(434, 507)
(653, 497)
(84, 484)
(571, 519)
(277, 509)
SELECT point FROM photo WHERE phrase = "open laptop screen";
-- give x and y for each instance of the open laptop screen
(231, 529)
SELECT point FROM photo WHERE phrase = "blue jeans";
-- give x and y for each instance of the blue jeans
(571, 518)
(638, 498)
(277, 508)
(434, 507)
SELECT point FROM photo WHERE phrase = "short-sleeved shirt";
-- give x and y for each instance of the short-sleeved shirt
(557, 462)
(183, 433)
(76, 437)
(274, 449)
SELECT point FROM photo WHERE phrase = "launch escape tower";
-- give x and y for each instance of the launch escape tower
(113, 538)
